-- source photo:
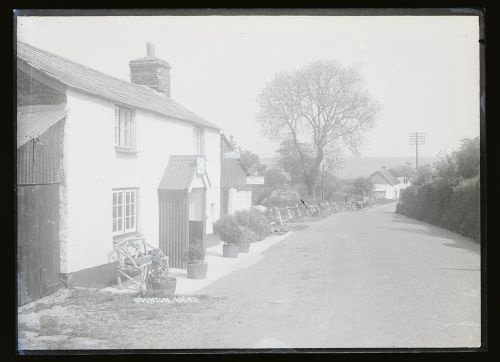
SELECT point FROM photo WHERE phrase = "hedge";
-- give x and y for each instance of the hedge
(456, 208)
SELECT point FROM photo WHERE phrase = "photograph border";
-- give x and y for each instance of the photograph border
(294, 12)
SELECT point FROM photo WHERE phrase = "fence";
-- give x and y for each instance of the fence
(282, 215)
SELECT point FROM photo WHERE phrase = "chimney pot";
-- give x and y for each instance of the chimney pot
(150, 48)
(151, 71)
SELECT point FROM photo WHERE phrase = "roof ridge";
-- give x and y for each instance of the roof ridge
(140, 86)
(390, 179)
(144, 90)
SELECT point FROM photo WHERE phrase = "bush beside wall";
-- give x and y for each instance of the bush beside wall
(456, 208)
(255, 221)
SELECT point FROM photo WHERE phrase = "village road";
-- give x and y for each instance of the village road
(371, 278)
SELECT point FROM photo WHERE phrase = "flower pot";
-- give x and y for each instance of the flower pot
(197, 270)
(161, 288)
(244, 247)
(230, 251)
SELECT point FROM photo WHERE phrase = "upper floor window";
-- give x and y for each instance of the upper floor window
(199, 141)
(124, 130)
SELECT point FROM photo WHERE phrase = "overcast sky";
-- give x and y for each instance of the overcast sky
(423, 70)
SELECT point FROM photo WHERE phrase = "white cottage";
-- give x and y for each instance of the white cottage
(131, 160)
(387, 186)
(236, 193)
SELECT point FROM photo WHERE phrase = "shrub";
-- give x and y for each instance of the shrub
(282, 198)
(248, 235)
(158, 270)
(228, 229)
(463, 213)
(243, 218)
(195, 253)
(254, 220)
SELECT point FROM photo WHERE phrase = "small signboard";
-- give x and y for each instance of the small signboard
(231, 154)
(200, 165)
(255, 180)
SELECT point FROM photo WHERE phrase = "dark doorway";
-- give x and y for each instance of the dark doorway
(37, 241)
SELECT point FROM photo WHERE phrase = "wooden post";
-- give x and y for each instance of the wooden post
(277, 216)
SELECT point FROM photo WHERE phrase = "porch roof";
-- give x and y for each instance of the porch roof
(180, 173)
(34, 120)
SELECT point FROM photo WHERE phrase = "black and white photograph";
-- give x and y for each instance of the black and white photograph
(211, 181)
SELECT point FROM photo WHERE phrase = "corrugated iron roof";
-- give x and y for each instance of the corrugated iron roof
(179, 173)
(34, 120)
(77, 76)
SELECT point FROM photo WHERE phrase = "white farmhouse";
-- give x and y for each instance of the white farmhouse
(387, 186)
(100, 159)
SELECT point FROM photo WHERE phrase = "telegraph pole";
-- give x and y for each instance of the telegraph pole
(417, 139)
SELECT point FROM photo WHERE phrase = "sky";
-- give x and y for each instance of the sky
(424, 70)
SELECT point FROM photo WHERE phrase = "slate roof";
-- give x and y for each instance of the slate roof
(179, 173)
(34, 120)
(80, 77)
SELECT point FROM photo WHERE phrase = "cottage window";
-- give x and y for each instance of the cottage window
(124, 211)
(199, 141)
(123, 129)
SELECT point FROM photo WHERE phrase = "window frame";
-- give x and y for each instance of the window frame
(124, 129)
(126, 211)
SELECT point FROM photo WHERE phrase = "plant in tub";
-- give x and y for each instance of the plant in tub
(230, 233)
(158, 282)
(247, 237)
(195, 259)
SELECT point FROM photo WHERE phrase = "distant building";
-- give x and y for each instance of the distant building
(386, 185)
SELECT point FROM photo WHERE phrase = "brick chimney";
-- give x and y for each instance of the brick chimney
(151, 71)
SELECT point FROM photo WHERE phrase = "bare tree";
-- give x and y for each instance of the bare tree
(323, 105)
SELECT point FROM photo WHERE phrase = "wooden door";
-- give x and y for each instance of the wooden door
(37, 241)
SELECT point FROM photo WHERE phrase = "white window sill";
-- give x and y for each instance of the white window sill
(119, 237)
(125, 150)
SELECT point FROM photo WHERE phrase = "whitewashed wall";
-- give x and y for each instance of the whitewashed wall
(94, 168)
(212, 152)
(391, 192)
(239, 200)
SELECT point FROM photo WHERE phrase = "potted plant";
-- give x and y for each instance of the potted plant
(195, 259)
(247, 237)
(158, 282)
(230, 232)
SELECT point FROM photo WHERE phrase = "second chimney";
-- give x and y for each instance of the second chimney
(151, 71)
